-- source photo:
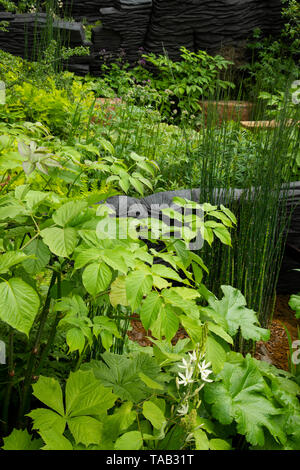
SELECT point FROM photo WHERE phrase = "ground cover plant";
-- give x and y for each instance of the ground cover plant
(73, 274)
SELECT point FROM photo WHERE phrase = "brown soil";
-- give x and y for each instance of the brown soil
(275, 351)
(141, 336)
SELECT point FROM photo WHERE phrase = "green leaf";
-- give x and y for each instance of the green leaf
(41, 253)
(201, 440)
(239, 393)
(117, 295)
(129, 441)
(69, 212)
(166, 324)
(107, 339)
(49, 392)
(75, 340)
(178, 298)
(85, 430)
(224, 219)
(231, 314)
(86, 396)
(294, 303)
(34, 198)
(218, 330)
(11, 258)
(229, 214)
(150, 309)
(215, 354)
(115, 260)
(164, 271)
(44, 419)
(122, 374)
(61, 241)
(222, 233)
(194, 328)
(138, 284)
(219, 444)
(86, 256)
(154, 414)
(21, 440)
(106, 145)
(19, 304)
(55, 441)
(96, 278)
(150, 383)
(138, 186)
(122, 418)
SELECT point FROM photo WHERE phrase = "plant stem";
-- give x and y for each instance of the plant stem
(35, 350)
(9, 387)
(52, 331)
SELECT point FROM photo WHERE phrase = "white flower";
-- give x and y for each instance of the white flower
(193, 356)
(186, 365)
(183, 410)
(204, 371)
(187, 378)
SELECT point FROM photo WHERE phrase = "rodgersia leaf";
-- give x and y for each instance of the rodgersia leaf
(21, 440)
(123, 374)
(86, 396)
(232, 314)
(240, 394)
(47, 419)
(85, 399)
(49, 392)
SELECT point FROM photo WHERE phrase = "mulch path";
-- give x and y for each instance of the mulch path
(275, 351)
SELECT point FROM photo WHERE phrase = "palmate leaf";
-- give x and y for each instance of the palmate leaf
(19, 304)
(54, 440)
(49, 392)
(85, 399)
(122, 374)
(86, 396)
(21, 440)
(240, 394)
(47, 419)
(232, 314)
(85, 430)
